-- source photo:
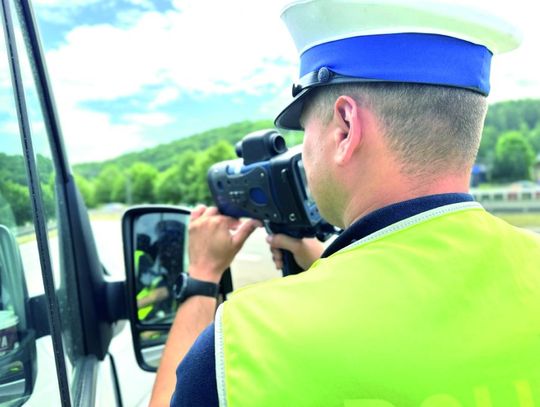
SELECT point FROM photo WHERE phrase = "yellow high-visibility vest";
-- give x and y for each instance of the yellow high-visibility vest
(438, 310)
(143, 312)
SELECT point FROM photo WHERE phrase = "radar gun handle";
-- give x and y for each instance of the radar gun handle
(289, 264)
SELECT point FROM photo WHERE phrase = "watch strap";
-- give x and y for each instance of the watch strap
(199, 287)
(186, 286)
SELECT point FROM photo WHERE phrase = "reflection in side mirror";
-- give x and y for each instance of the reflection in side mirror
(160, 256)
(155, 253)
(17, 341)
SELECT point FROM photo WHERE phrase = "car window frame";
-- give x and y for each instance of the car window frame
(38, 211)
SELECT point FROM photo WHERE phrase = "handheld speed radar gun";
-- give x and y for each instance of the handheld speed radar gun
(268, 183)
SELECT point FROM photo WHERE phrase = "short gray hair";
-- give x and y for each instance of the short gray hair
(432, 129)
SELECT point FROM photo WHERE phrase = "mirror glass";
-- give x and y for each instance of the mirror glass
(160, 255)
(152, 343)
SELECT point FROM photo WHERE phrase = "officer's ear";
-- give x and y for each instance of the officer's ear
(347, 129)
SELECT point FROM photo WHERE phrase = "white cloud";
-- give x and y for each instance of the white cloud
(164, 96)
(515, 74)
(194, 50)
(188, 50)
(91, 136)
(273, 107)
(207, 47)
(148, 119)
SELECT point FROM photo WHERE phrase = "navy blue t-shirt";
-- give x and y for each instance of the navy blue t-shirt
(196, 384)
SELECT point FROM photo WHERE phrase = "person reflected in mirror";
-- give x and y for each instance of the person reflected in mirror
(147, 281)
(158, 264)
(150, 282)
(169, 246)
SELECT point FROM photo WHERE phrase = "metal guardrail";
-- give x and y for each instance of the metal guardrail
(509, 199)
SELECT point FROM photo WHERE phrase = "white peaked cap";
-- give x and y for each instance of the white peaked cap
(312, 22)
(427, 42)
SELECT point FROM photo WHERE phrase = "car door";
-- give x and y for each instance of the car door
(72, 308)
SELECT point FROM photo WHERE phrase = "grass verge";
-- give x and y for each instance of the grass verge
(105, 215)
(32, 236)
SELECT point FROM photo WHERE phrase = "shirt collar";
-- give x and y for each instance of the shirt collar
(391, 214)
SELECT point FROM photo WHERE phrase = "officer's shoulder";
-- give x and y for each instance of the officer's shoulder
(525, 235)
(260, 288)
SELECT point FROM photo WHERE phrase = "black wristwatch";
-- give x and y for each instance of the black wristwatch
(186, 287)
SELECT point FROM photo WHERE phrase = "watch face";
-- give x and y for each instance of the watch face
(180, 286)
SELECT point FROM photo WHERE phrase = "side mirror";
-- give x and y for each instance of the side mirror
(155, 253)
(18, 358)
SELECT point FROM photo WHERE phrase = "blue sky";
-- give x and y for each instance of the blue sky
(130, 74)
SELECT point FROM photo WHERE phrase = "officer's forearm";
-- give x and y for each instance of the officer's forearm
(159, 294)
(195, 314)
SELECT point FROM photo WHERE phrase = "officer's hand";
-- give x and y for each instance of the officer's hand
(305, 251)
(214, 240)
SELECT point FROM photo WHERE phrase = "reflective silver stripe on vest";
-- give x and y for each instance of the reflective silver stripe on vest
(220, 357)
(413, 220)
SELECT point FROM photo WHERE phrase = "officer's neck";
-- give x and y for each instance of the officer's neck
(399, 189)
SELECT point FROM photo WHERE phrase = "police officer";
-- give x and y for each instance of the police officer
(426, 299)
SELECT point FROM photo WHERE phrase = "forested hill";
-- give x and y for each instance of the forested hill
(514, 115)
(176, 172)
(521, 115)
(164, 156)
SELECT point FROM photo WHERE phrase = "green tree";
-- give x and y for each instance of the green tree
(120, 190)
(141, 178)
(105, 182)
(44, 167)
(486, 153)
(87, 190)
(534, 138)
(176, 184)
(188, 176)
(15, 203)
(219, 152)
(49, 202)
(513, 158)
(6, 212)
(13, 168)
(168, 187)
(514, 115)
(292, 137)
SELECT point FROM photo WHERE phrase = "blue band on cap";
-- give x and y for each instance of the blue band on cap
(405, 57)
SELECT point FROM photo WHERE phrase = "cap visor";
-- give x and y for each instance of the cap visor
(289, 118)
